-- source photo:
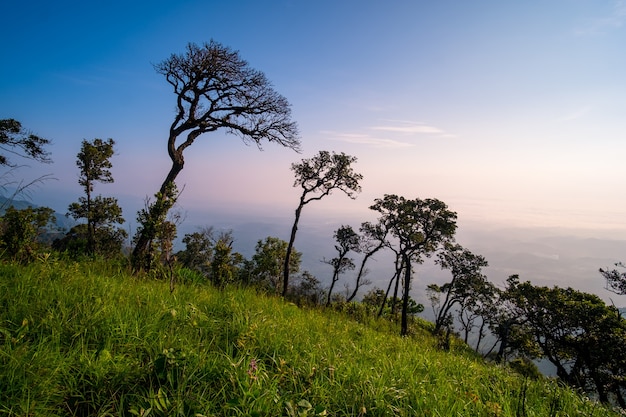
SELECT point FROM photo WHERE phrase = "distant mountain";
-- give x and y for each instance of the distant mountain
(62, 222)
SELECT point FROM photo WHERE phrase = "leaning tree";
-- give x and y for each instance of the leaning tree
(318, 177)
(215, 89)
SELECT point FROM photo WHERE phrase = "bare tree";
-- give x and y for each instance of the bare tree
(215, 89)
(318, 177)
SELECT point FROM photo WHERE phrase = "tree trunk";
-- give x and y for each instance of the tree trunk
(404, 329)
(292, 239)
(141, 257)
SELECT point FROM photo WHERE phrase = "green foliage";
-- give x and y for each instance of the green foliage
(88, 339)
(268, 262)
(19, 230)
(152, 228)
(16, 140)
(101, 213)
(318, 177)
(211, 255)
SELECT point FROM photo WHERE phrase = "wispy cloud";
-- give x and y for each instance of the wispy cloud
(363, 139)
(391, 134)
(601, 25)
(410, 127)
(577, 114)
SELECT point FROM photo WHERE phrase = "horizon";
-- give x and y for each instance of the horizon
(510, 113)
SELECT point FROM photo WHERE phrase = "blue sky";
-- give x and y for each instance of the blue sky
(510, 112)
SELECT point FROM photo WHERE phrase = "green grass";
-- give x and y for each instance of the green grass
(87, 339)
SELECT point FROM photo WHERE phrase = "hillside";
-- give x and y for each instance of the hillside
(88, 339)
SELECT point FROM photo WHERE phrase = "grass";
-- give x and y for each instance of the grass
(87, 339)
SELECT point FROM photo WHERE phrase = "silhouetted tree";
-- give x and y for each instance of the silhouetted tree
(373, 238)
(615, 279)
(318, 177)
(419, 227)
(467, 278)
(21, 143)
(347, 240)
(215, 89)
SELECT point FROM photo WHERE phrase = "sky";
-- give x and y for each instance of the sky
(510, 112)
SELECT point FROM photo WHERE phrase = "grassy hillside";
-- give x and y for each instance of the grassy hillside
(87, 339)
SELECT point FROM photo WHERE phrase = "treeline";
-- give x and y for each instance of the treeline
(215, 89)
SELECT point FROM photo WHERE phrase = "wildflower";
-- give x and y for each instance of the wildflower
(252, 369)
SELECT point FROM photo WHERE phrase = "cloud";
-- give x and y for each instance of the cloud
(577, 114)
(409, 127)
(602, 24)
(363, 139)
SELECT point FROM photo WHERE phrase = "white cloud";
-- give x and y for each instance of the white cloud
(409, 127)
(577, 114)
(363, 139)
(613, 21)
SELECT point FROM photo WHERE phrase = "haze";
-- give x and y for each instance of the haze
(510, 112)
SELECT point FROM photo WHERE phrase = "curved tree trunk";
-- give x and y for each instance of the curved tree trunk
(141, 257)
(404, 329)
(292, 239)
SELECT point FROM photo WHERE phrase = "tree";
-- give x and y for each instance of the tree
(467, 279)
(318, 177)
(215, 89)
(419, 227)
(576, 332)
(210, 253)
(101, 213)
(347, 240)
(19, 230)
(373, 238)
(615, 279)
(268, 261)
(17, 141)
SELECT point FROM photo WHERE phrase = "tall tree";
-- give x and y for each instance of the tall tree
(347, 240)
(419, 228)
(373, 238)
(101, 213)
(215, 89)
(467, 279)
(318, 177)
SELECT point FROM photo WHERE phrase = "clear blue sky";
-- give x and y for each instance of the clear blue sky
(509, 111)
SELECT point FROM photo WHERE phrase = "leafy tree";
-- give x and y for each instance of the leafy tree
(268, 261)
(215, 89)
(615, 279)
(210, 253)
(151, 225)
(419, 228)
(318, 177)
(19, 230)
(17, 141)
(347, 240)
(305, 290)
(378, 299)
(576, 332)
(373, 238)
(101, 213)
(460, 292)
